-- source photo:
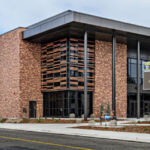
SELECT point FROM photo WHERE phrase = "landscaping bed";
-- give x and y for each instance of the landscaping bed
(139, 122)
(50, 121)
(136, 129)
(143, 122)
(45, 120)
(26, 120)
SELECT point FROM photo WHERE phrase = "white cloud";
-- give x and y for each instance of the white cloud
(14, 13)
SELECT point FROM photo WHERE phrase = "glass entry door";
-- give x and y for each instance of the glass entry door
(146, 107)
(146, 103)
(132, 106)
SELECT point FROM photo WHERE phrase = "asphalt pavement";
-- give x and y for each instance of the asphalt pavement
(68, 129)
(27, 140)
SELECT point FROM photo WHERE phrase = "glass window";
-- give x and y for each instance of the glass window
(133, 61)
(73, 73)
(81, 83)
(132, 70)
(56, 84)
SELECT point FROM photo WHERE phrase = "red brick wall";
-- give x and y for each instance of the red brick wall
(9, 74)
(20, 75)
(30, 75)
(121, 80)
(103, 77)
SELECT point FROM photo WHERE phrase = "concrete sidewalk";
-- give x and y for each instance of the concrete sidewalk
(66, 129)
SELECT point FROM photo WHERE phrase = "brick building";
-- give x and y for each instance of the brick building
(73, 63)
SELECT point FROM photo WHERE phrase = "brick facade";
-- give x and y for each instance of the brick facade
(30, 76)
(103, 77)
(20, 75)
(121, 80)
(9, 74)
(20, 78)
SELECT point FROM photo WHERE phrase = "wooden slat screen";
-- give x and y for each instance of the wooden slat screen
(54, 65)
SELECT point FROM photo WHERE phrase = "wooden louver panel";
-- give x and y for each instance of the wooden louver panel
(54, 65)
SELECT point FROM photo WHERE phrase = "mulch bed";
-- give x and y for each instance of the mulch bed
(49, 121)
(54, 121)
(142, 122)
(136, 129)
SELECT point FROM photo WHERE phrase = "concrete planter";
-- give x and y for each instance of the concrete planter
(146, 117)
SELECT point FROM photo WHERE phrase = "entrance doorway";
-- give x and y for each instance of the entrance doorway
(146, 107)
(64, 103)
(32, 109)
(132, 106)
(144, 104)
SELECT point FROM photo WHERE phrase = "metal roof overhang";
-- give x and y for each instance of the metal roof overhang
(58, 25)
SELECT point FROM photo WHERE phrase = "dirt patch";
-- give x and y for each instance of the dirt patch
(136, 129)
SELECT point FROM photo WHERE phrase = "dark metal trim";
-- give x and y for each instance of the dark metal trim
(76, 103)
(68, 63)
(138, 79)
(114, 75)
(68, 99)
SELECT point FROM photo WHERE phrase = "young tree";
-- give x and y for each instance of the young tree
(108, 109)
(101, 109)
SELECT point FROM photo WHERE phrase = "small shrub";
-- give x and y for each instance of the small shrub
(74, 121)
(108, 109)
(3, 120)
(145, 129)
(123, 128)
(56, 120)
(106, 128)
(101, 109)
(40, 120)
(139, 122)
(25, 120)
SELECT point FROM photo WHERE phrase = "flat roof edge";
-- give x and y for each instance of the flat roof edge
(48, 24)
(50, 19)
(73, 16)
(110, 24)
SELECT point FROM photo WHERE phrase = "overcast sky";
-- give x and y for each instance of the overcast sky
(16, 13)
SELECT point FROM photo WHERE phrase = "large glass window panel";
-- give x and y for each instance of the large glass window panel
(133, 70)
